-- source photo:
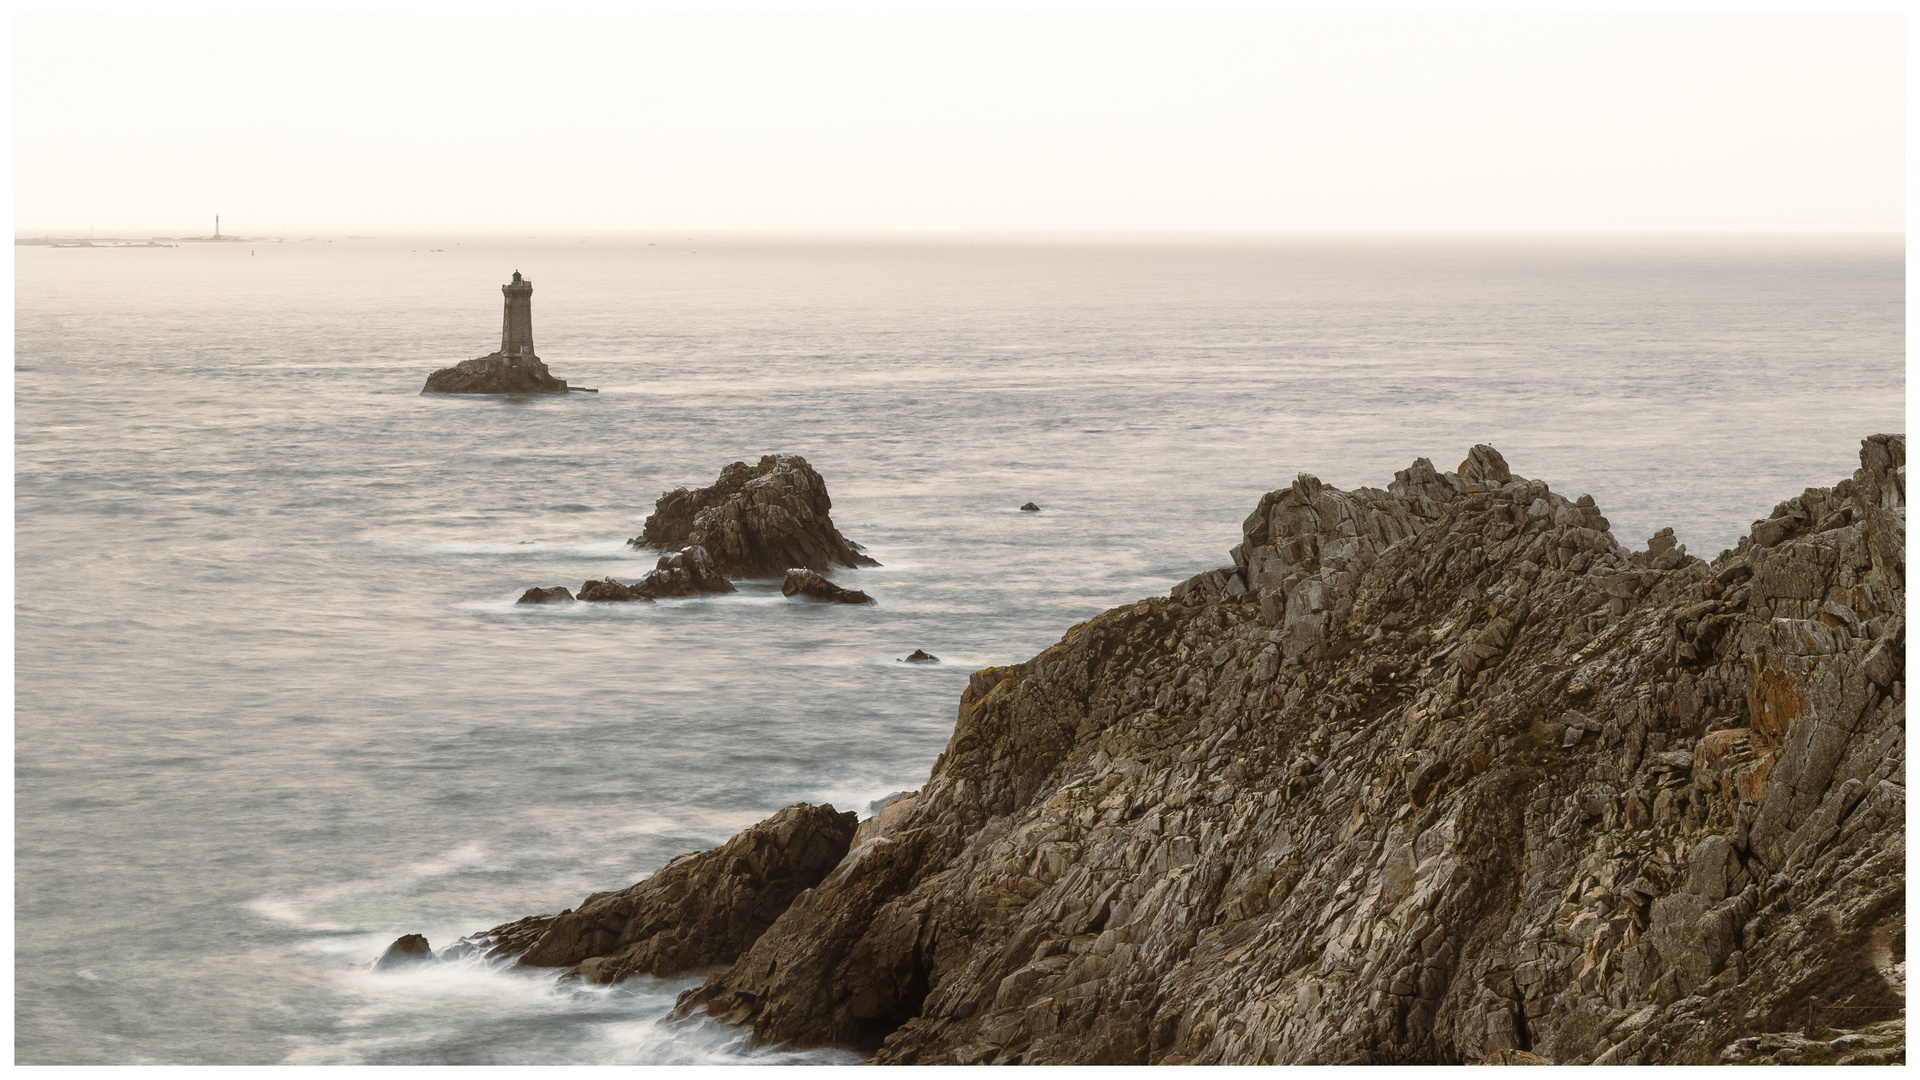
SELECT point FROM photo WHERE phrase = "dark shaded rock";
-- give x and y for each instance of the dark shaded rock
(1030, 506)
(921, 656)
(505, 941)
(811, 586)
(611, 591)
(1439, 773)
(495, 374)
(699, 910)
(755, 521)
(544, 596)
(405, 950)
(684, 573)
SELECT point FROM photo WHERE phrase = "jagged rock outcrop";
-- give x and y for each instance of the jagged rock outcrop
(920, 656)
(544, 596)
(682, 573)
(1440, 773)
(811, 586)
(406, 950)
(756, 520)
(698, 911)
(495, 373)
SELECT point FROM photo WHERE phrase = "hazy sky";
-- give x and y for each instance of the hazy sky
(525, 123)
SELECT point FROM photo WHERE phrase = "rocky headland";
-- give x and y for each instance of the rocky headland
(1435, 773)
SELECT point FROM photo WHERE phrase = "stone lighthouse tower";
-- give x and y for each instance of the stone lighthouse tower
(514, 369)
(516, 324)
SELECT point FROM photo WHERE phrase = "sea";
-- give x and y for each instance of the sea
(275, 704)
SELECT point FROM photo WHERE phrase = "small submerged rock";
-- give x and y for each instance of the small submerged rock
(921, 656)
(807, 584)
(1030, 507)
(406, 950)
(544, 596)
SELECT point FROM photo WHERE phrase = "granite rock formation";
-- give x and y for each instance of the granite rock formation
(682, 573)
(544, 596)
(495, 374)
(811, 586)
(698, 911)
(1435, 773)
(756, 520)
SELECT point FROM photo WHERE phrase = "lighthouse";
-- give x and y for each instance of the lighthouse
(516, 322)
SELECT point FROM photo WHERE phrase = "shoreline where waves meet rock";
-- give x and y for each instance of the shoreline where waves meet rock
(769, 520)
(513, 369)
(1437, 773)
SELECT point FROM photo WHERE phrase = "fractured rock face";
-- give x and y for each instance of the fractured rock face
(495, 374)
(756, 521)
(1440, 773)
(811, 586)
(699, 910)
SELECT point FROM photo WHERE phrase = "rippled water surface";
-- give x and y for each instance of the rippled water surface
(275, 704)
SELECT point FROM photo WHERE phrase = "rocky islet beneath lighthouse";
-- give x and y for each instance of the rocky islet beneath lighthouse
(514, 369)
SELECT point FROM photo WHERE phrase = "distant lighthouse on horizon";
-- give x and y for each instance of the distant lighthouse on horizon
(216, 226)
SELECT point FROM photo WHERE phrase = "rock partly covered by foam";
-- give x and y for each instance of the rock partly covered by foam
(682, 573)
(406, 950)
(698, 911)
(811, 586)
(756, 520)
(1436, 773)
(495, 373)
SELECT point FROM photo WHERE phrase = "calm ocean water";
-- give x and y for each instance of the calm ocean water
(275, 704)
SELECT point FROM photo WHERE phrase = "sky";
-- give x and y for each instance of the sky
(521, 123)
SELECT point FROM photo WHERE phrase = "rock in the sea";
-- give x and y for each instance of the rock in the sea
(514, 369)
(682, 573)
(699, 910)
(495, 374)
(611, 591)
(544, 596)
(811, 586)
(690, 572)
(1030, 507)
(1435, 773)
(406, 950)
(756, 521)
(921, 656)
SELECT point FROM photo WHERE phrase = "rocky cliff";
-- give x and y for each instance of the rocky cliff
(756, 521)
(1435, 773)
(495, 373)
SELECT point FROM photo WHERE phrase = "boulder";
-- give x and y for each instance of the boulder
(406, 950)
(1030, 507)
(755, 521)
(682, 573)
(495, 373)
(921, 656)
(610, 590)
(811, 586)
(544, 596)
(700, 910)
